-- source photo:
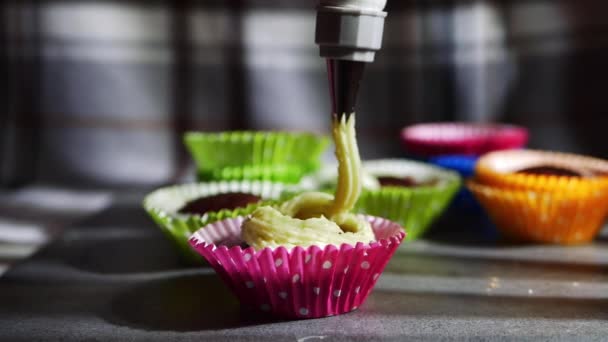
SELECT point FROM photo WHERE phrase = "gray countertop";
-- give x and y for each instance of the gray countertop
(115, 278)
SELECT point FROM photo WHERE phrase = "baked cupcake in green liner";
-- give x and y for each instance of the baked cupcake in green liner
(181, 210)
(255, 155)
(326, 177)
(414, 209)
(410, 193)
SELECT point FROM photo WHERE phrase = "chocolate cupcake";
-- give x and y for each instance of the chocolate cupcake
(555, 217)
(414, 194)
(543, 171)
(183, 209)
(548, 170)
(540, 196)
(325, 179)
(404, 182)
(217, 202)
(406, 173)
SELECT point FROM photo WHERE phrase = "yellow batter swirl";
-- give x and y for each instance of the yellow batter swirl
(315, 218)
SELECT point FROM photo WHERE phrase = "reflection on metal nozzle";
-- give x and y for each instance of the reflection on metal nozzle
(344, 79)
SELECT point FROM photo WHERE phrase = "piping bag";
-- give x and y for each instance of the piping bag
(348, 32)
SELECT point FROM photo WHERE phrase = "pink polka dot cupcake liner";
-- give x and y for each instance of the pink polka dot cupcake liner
(298, 283)
(436, 139)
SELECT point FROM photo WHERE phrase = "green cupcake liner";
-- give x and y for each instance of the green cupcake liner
(163, 205)
(274, 173)
(415, 208)
(327, 176)
(248, 155)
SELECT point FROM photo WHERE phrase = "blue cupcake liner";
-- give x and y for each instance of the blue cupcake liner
(465, 202)
(465, 166)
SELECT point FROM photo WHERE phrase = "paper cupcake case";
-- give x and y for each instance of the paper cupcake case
(418, 171)
(465, 166)
(163, 205)
(545, 217)
(327, 176)
(437, 139)
(498, 169)
(249, 155)
(300, 283)
(413, 208)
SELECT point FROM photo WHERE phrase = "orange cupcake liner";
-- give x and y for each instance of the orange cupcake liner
(499, 168)
(547, 217)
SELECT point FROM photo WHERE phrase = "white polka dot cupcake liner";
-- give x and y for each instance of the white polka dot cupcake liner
(163, 206)
(298, 283)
